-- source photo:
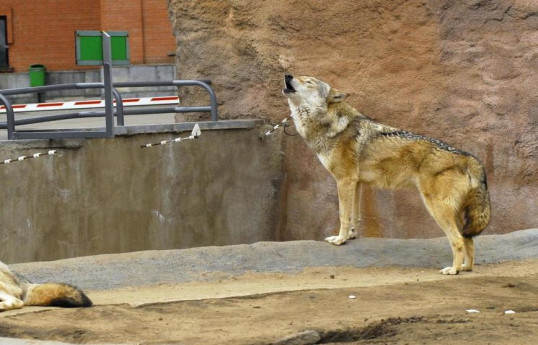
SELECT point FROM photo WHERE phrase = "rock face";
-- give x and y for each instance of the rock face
(463, 71)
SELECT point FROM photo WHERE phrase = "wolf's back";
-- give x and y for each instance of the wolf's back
(476, 206)
(56, 295)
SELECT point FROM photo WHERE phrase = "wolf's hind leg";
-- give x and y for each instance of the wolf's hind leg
(445, 217)
(356, 217)
(346, 195)
(468, 247)
(456, 244)
(8, 302)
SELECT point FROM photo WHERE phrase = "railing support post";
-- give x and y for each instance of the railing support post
(120, 121)
(10, 116)
(107, 71)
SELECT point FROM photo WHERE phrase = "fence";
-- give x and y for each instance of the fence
(119, 111)
(110, 93)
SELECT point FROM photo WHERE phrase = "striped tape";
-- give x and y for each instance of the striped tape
(282, 124)
(196, 132)
(128, 102)
(35, 155)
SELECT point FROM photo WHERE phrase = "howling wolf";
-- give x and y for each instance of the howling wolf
(356, 150)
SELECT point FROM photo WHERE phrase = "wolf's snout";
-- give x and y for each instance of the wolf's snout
(287, 81)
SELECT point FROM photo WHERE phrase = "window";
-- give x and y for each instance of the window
(4, 62)
(89, 47)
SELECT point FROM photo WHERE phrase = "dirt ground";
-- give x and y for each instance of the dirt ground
(391, 306)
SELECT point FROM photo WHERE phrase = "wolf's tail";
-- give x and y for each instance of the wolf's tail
(476, 207)
(56, 295)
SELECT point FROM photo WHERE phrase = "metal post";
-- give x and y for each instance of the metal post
(10, 116)
(213, 99)
(107, 76)
(205, 85)
(119, 108)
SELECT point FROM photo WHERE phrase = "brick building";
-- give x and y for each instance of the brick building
(43, 32)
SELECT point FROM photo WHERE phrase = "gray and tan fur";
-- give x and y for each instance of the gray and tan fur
(357, 150)
(16, 292)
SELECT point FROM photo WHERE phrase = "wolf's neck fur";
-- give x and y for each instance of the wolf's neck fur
(320, 123)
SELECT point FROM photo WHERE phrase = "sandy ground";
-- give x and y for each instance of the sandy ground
(292, 293)
(392, 305)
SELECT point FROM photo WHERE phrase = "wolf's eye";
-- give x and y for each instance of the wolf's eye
(310, 82)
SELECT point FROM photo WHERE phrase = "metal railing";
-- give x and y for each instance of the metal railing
(110, 92)
(119, 111)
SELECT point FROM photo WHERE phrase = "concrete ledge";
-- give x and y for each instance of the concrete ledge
(41, 144)
(187, 126)
(129, 131)
(177, 266)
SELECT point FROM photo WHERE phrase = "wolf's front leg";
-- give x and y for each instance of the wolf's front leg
(346, 196)
(356, 213)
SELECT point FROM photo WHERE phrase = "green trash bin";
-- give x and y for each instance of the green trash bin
(37, 75)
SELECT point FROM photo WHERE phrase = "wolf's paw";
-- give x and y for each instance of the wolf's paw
(336, 240)
(466, 268)
(449, 270)
(10, 303)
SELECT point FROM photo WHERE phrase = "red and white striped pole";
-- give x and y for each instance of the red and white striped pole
(70, 105)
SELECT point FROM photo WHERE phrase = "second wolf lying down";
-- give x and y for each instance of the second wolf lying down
(356, 150)
(15, 292)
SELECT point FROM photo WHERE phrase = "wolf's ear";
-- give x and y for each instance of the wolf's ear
(336, 96)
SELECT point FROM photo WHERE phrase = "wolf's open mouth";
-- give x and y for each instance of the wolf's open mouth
(287, 81)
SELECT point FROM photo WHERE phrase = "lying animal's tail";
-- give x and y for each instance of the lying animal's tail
(56, 295)
(476, 207)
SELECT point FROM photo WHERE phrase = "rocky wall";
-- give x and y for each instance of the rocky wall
(463, 71)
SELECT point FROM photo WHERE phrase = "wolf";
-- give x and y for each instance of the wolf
(16, 291)
(357, 150)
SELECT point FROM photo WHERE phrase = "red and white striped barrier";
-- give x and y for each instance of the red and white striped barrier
(127, 102)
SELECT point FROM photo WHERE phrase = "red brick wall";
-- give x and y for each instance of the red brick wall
(118, 15)
(43, 31)
(158, 36)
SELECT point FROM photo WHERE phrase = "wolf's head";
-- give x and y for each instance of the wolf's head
(309, 92)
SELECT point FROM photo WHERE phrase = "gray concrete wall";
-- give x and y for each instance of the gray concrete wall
(110, 196)
(119, 74)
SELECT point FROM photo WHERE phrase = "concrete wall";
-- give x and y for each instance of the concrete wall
(110, 195)
(119, 74)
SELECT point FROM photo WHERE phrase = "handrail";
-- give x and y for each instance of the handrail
(202, 83)
(119, 111)
(10, 123)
